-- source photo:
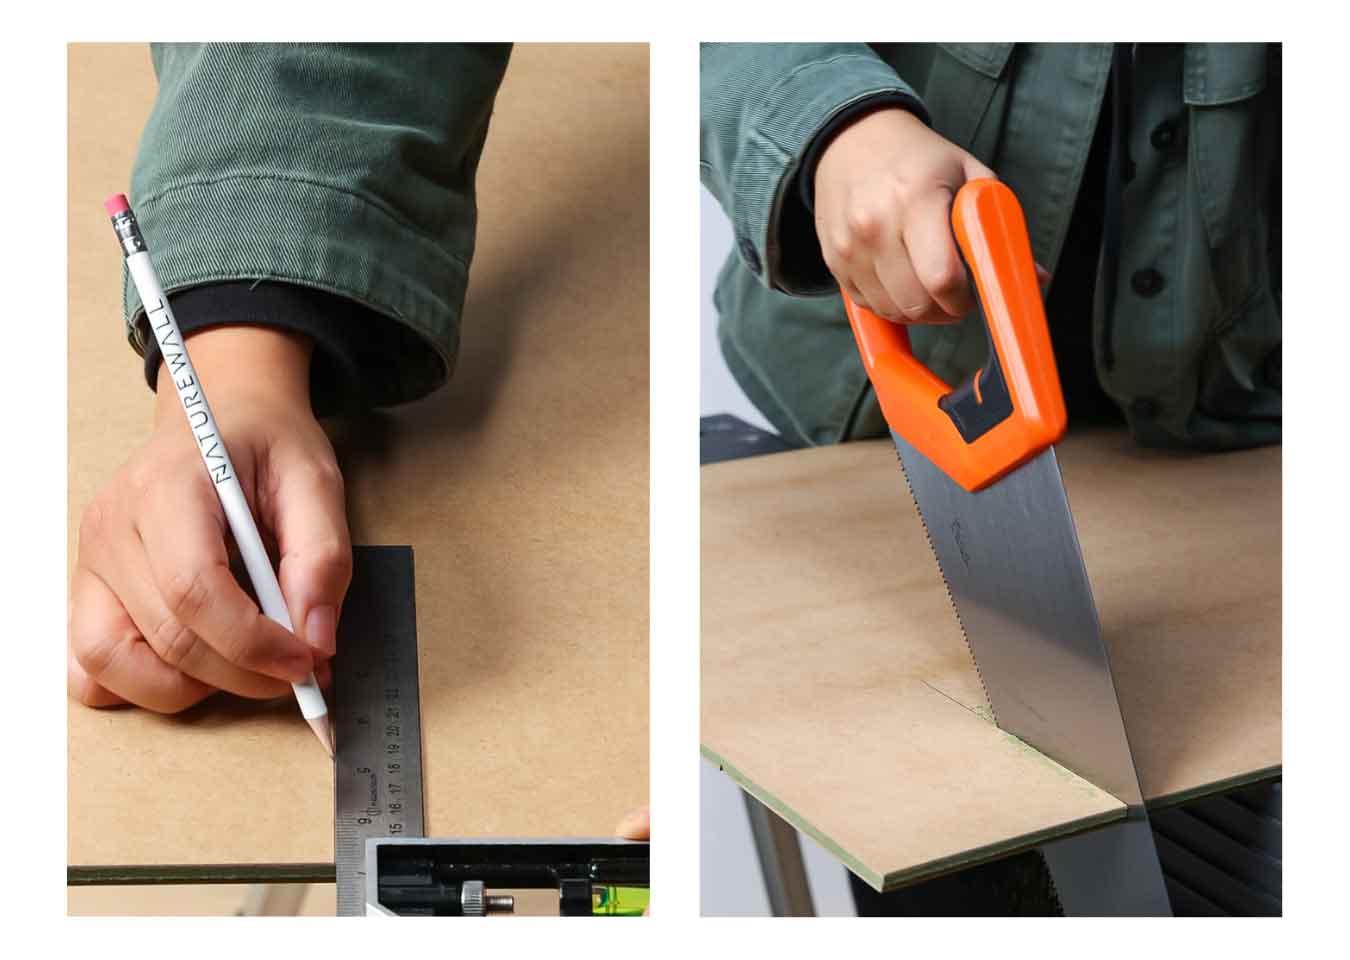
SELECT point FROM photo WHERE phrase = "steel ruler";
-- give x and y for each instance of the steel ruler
(378, 723)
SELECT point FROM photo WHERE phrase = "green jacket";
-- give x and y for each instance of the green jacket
(1196, 357)
(347, 168)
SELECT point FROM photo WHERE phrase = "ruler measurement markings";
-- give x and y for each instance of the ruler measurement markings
(379, 782)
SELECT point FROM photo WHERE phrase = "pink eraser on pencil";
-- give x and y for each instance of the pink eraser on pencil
(116, 204)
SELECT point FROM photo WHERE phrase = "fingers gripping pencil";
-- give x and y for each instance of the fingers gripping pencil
(212, 447)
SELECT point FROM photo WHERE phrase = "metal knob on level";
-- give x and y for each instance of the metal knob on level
(474, 901)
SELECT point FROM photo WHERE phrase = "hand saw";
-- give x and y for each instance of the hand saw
(980, 463)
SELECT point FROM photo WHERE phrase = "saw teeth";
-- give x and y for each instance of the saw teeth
(946, 586)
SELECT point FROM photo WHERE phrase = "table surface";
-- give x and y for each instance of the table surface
(837, 687)
(522, 487)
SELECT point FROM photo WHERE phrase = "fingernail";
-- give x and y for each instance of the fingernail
(321, 630)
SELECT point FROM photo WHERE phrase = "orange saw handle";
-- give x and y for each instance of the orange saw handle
(1012, 408)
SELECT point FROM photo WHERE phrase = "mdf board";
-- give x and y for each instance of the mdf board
(837, 687)
(521, 486)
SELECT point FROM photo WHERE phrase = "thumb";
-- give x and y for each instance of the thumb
(310, 523)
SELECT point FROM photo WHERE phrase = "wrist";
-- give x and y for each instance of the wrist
(892, 102)
(870, 132)
(242, 360)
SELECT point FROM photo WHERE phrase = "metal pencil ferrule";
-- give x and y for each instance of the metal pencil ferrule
(128, 232)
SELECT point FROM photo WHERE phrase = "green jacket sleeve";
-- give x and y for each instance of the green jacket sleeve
(762, 106)
(347, 168)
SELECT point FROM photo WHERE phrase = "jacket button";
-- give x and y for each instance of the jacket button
(1147, 282)
(749, 255)
(1144, 408)
(1164, 135)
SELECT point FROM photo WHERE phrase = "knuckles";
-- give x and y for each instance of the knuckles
(840, 251)
(328, 476)
(316, 474)
(334, 556)
(174, 643)
(902, 191)
(95, 646)
(863, 224)
(186, 594)
(946, 280)
(329, 558)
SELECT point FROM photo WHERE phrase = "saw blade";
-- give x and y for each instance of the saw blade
(1013, 566)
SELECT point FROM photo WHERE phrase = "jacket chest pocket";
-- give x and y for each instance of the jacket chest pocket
(1233, 129)
(965, 93)
(1232, 93)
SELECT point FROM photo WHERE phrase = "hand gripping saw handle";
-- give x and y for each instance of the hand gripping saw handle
(1012, 408)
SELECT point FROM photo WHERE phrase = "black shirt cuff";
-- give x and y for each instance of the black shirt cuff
(357, 350)
(806, 173)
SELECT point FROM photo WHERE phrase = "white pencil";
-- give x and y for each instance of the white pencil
(212, 447)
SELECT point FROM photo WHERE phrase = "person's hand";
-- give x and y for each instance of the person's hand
(635, 825)
(883, 196)
(156, 617)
